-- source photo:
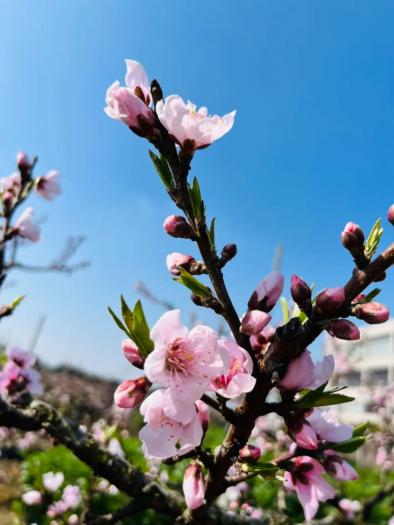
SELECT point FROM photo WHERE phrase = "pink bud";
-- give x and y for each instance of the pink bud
(390, 214)
(194, 485)
(267, 292)
(258, 341)
(254, 322)
(300, 292)
(372, 313)
(131, 393)
(203, 413)
(48, 186)
(179, 260)
(250, 453)
(343, 329)
(330, 300)
(177, 226)
(132, 354)
(352, 236)
(23, 161)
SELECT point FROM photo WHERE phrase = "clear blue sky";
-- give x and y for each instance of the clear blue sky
(312, 146)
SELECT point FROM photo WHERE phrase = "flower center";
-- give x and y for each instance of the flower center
(179, 358)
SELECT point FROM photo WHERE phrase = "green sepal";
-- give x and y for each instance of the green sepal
(193, 284)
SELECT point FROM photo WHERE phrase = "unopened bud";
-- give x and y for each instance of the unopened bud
(177, 226)
(203, 413)
(343, 329)
(179, 260)
(23, 161)
(254, 322)
(267, 292)
(250, 453)
(131, 393)
(229, 252)
(372, 313)
(300, 292)
(194, 485)
(330, 300)
(132, 354)
(258, 341)
(390, 214)
(352, 236)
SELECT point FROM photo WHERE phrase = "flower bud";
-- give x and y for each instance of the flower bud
(229, 251)
(203, 413)
(352, 236)
(267, 292)
(194, 485)
(372, 313)
(179, 260)
(254, 322)
(131, 393)
(250, 453)
(132, 354)
(390, 214)
(300, 292)
(258, 341)
(343, 329)
(177, 226)
(23, 161)
(330, 300)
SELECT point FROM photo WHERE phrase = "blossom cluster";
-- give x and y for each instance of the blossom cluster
(18, 375)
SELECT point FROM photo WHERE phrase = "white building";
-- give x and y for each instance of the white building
(371, 360)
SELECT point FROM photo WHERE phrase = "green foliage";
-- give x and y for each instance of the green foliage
(196, 200)
(372, 243)
(193, 284)
(162, 168)
(320, 398)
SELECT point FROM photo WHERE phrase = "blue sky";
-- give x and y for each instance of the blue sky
(312, 147)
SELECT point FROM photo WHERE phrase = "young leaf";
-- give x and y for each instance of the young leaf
(197, 202)
(351, 445)
(360, 430)
(193, 284)
(373, 240)
(211, 232)
(126, 314)
(371, 295)
(162, 168)
(285, 309)
(118, 322)
(141, 330)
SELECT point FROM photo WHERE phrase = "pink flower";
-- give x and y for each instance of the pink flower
(22, 160)
(131, 393)
(254, 321)
(349, 507)
(24, 226)
(22, 358)
(203, 413)
(48, 186)
(187, 123)
(328, 428)
(132, 353)
(72, 496)
(10, 187)
(73, 520)
(194, 485)
(184, 360)
(306, 479)
(390, 214)
(258, 341)
(163, 436)
(303, 373)
(267, 292)
(338, 468)
(305, 437)
(14, 380)
(53, 481)
(32, 497)
(137, 81)
(115, 448)
(179, 260)
(372, 312)
(237, 376)
(56, 509)
(250, 453)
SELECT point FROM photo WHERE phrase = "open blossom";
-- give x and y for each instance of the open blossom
(349, 507)
(237, 377)
(328, 428)
(164, 437)
(194, 485)
(14, 379)
(183, 360)
(48, 186)
(53, 480)
(22, 358)
(187, 123)
(306, 479)
(338, 468)
(24, 226)
(267, 292)
(130, 104)
(303, 373)
(305, 436)
(32, 497)
(72, 496)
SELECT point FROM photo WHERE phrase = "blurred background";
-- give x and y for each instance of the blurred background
(312, 148)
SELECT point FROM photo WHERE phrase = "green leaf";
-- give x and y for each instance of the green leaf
(373, 240)
(360, 430)
(118, 321)
(141, 330)
(350, 445)
(285, 310)
(162, 168)
(319, 398)
(263, 468)
(193, 284)
(211, 232)
(196, 199)
(371, 295)
(17, 301)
